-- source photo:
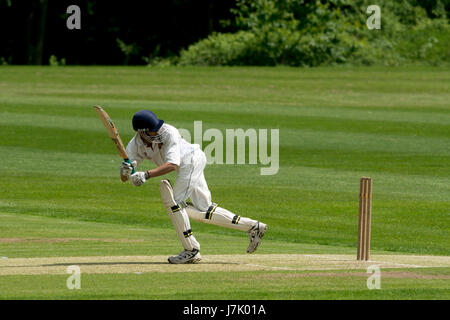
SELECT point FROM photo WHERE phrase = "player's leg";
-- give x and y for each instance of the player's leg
(180, 221)
(222, 217)
(204, 210)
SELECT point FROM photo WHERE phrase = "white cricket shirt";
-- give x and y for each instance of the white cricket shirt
(174, 148)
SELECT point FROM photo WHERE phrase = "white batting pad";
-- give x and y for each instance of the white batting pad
(178, 216)
(220, 217)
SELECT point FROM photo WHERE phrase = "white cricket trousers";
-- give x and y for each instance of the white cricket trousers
(191, 183)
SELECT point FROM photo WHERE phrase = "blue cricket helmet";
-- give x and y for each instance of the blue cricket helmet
(145, 119)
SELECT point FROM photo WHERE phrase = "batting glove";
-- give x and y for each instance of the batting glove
(137, 179)
(126, 168)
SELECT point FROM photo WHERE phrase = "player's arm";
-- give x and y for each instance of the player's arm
(172, 157)
(139, 178)
(136, 158)
(161, 170)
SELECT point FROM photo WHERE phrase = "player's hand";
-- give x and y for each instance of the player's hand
(137, 179)
(126, 168)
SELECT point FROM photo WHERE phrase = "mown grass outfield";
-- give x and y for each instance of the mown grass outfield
(62, 202)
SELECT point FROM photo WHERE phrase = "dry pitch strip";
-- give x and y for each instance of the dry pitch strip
(215, 263)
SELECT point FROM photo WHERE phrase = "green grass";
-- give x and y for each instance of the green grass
(274, 285)
(140, 240)
(208, 285)
(336, 125)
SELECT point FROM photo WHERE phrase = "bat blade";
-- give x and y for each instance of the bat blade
(113, 133)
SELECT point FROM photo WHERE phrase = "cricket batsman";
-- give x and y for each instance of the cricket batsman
(162, 144)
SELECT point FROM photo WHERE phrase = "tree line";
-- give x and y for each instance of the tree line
(112, 32)
(223, 32)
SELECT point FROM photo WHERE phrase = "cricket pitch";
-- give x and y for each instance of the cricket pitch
(214, 263)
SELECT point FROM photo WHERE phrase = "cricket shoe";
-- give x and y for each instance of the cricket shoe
(255, 235)
(186, 257)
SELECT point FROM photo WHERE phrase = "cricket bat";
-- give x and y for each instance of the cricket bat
(113, 133)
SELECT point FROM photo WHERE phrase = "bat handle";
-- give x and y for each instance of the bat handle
(128, 160)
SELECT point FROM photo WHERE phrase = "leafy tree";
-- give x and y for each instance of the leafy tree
(312, 33)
